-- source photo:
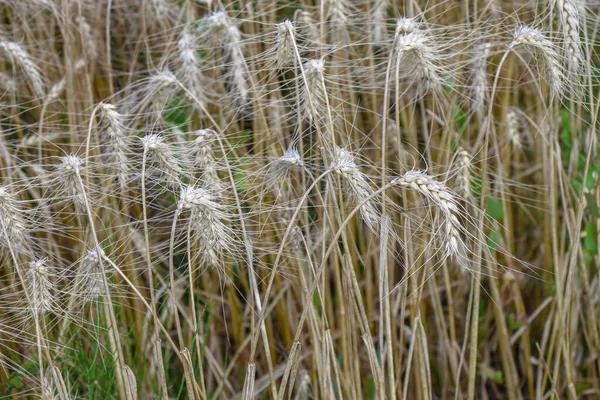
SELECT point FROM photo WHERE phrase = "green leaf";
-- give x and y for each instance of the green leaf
(590, 182)
(590, 242)
(476, 187)
(494, 238)
(240, 174)
(492, 374)
(177, 113)
(316, 299)
(513, 323)
(448, 83)
(16, 382)
(565, 122)
(460, 121)
(371, 390)
(453, 145)
(493, 208)
(582, 386)
(592, 205)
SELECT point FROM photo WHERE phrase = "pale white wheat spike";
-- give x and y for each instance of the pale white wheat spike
(405, 26)
(92, 280)
(218, 28)
(13, 228)
(307, 26)
(112, 126)
(48, 388)
(303, 386)
(208, 224)
(338, 11)
(160, 88)
(162, 80)
(570, 12)
(283, 166)
(513, 131)
(238, 65)
(464, 165)
(6, 82)
(189, 72)
(35, 140)
(69, 171)
(290, 158)
(314, 98)
(445, 201)
(534, 39)
(90, 46)
(285, 44)
(163, 157)
(344, 165)
(204, 159)
(296, 241)
(416, 60)
(19, 56)
(161, 9)
(479, 77)
(223, 32)
(56, 90)
(39, 287)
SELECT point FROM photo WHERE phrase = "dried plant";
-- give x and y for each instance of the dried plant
(207, 200)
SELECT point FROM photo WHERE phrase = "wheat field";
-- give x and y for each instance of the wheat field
(338, 199)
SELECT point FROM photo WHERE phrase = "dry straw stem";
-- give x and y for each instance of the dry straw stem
(71, 166)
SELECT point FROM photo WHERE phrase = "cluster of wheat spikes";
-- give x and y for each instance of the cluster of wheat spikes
(367, 199)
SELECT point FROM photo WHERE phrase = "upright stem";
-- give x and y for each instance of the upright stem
(164, 391)
(113, 336)
(172, 279)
